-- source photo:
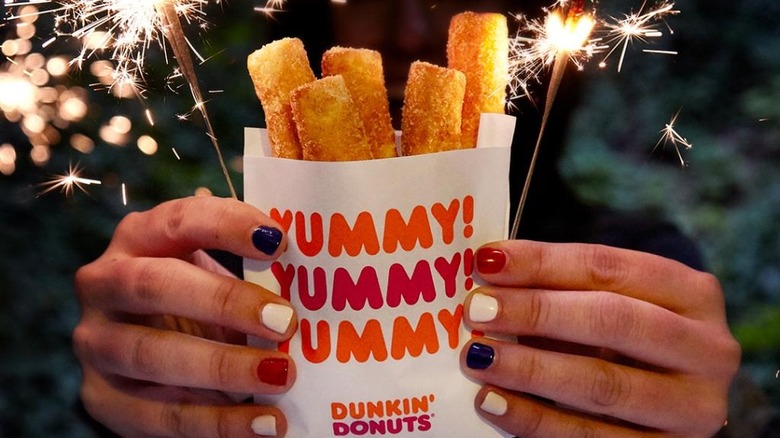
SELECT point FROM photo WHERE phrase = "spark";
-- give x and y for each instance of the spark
(124, 194)
(661, 52)
(271, 7)
(635, 26)
(669, 135)
(68, 182)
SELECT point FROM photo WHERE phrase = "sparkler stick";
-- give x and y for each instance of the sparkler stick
(566, 39)
(552, 89)
(175, 35)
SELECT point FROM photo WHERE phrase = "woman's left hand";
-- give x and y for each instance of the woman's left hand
(612, 343)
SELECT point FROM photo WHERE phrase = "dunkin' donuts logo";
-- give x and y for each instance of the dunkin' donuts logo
(383, 417)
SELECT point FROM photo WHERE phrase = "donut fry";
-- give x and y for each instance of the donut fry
(276, 69)
(478, 45)
(433, 101)
(364, 76)
(328, 123)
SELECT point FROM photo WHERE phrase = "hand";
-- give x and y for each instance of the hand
(612, 343)
(162, 336)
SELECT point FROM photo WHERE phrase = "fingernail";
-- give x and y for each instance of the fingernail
(267, 239)
(479, 356)
(490, 260)
(273, 371)
(494, 404)
(276, 317)
(264, 425)
(483, 308)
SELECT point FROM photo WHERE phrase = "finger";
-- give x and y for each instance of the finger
(571, 266)
(177, 228)
(528, 418)
(176, 359)
(590, 385)
(148, 286)
(637, 329)
(150, 410)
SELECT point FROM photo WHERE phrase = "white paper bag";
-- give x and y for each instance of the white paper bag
(379, 261)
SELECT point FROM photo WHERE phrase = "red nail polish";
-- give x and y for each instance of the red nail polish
(490, 260)
(273, 371)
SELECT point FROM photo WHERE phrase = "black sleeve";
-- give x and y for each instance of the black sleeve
(643, 233)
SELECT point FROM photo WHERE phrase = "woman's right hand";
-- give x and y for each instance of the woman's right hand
(162, 336)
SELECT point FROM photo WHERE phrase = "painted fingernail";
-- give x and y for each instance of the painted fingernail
(490, 260)
(494, 404)
(267, 239)
(264, 425)
(276, 317)
(483, 308)
(273, 371)
(479, 356)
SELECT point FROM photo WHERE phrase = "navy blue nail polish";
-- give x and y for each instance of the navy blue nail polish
(267, 239)
(479, 356)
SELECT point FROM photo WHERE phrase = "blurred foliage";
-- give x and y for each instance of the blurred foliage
(725, 83)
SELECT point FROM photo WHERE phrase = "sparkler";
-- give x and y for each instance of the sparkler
(175, 35)
(564, 37)
(129, 27)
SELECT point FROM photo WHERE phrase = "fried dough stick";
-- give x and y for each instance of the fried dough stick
(328, 123)
(478, 45)
(431, 115)
(363, 73)
(276, 70)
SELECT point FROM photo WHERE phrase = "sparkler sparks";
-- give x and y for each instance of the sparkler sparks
(636, 27)
(539, 43)
(128, 28)
(669, 135)
(271, 7)
(68, 182)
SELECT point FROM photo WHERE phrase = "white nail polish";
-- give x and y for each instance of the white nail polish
(483, 308)
(276, 317)
(264, 425)
(494, 404)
